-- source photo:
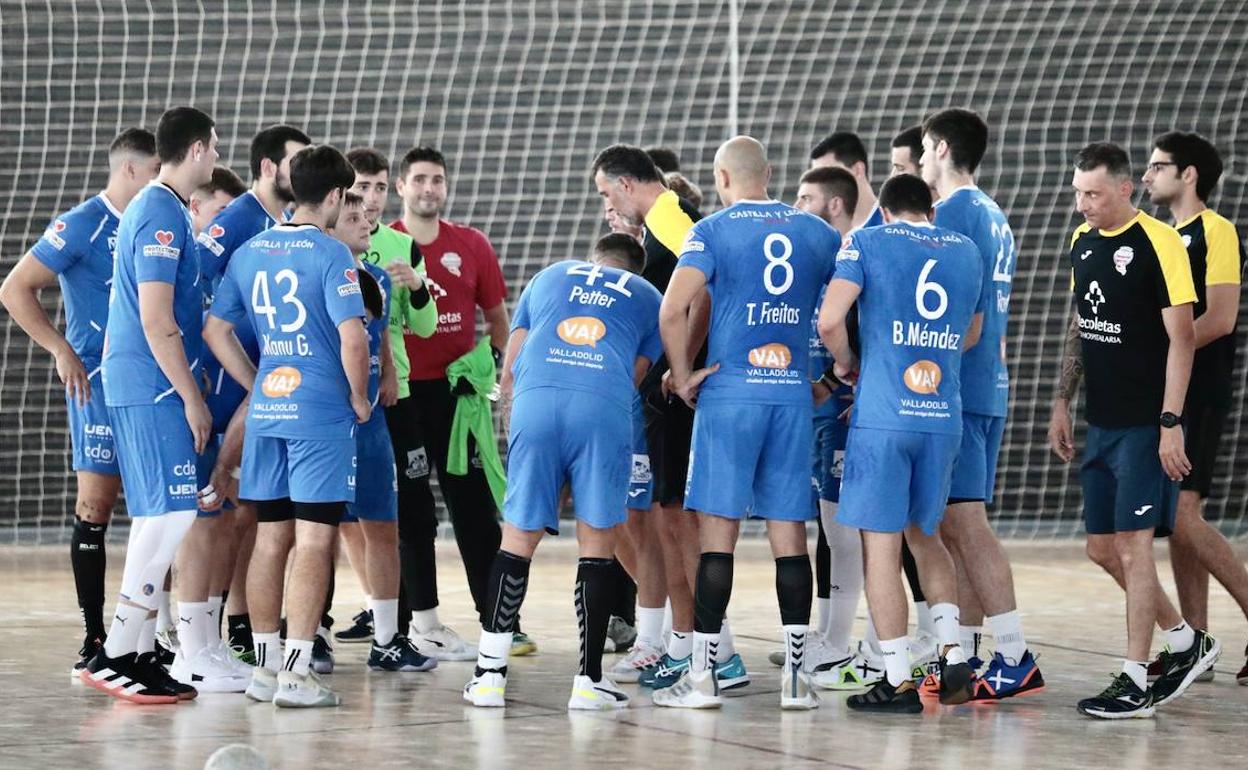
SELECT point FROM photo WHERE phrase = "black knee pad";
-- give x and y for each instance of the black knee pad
(273, 511)
(321, 513)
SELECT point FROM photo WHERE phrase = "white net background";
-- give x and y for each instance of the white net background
(519, 95)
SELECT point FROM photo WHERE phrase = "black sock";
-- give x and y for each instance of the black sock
(625, 605)
(88, 557)
(509, 579)
(326, 620)
(712, 592)
(221, 617)
(823, 563)
(912, 573)
(794, 588)
(595, 579)
(239, 627)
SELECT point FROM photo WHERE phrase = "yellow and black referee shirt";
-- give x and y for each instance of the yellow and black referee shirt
(1122, 280)
(1215, 253)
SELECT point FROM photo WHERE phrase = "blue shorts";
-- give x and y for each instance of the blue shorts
(895, 479)
(975, 476)
(376, 483)
(641, 480)
(1124, 485)
(223, 399)
(91, 432)
(751, 460)
(156, 455)
(828, 457)
(555, 439)
(305, 470)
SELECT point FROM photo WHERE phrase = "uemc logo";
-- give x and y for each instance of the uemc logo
(582, 330)
(91, 429)
(773, 355)
(281, 382)
(923, 377)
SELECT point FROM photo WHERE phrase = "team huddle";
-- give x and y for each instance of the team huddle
(265, 370)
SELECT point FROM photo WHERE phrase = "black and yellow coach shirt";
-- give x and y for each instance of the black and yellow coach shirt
(1214, 250)
(1122, 279)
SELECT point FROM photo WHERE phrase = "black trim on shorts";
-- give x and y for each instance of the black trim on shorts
(273, 511)
(957, 500)
(321, 513)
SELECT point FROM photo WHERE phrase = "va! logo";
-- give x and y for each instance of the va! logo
(773, 355)
(582, 330)
(923, 377)
(281, 382)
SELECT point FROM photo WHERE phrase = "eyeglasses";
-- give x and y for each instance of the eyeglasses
(1156, 166)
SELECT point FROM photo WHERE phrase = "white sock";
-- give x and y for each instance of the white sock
(945, 620)
(191, 617)
(123, 635)
(825, 614)
(727, 647)
(147, 636)
(268, 651)
(969, 637)
(426, 620)
(298, 656)
(667, 618)
(680, 644)
(1137, 671)
(923, 617)
(872, 638)
(705, 651)
(896, 654)
(1007, 634)
(493, 649)
(1180, 638)
(164, 617)
(385, 619)
(650, 626)
(213, 626)
(794, 645)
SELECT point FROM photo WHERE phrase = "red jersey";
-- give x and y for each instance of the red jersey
(463, 274)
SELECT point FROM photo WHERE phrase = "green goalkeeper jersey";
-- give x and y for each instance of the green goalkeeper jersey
(385, 245)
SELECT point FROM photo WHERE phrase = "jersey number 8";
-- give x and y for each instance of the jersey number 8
(261, 303)
(777, 261)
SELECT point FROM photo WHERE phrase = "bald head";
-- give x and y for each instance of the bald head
(741, 170)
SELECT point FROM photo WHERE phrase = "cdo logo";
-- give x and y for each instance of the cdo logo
(773, 355)
(923, 377)
(582, 330)
(281, 382)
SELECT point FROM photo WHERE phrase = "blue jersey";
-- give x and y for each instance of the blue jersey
(820, 361)
(294, 285)
(587, 326)
(155, 242)
(920, 286)
(78, 246)
(377, 328)
(874, 219)
(985, 380)
(765, 264)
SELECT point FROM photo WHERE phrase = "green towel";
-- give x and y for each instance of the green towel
(473, 417)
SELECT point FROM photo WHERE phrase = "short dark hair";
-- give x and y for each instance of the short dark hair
(421, 154)
(137, 140)
(836, 183)
(964, 131)
(625, 247)
(906, 193)
(1188, 148)
(178, 129)
(317, 170)
(271, 143)
(223, 180)
(1113, 158)
(366, 160)
(846, 147)
(352, 199)
(912, 139)
(626, 160)
(665, 158)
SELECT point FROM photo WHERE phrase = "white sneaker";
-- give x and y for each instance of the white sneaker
(294, 691)
(221, 651)
(442, 643)
(796, 693)
(588, 695)
(692, 691)
(851, 672)
(487, 690)
(924, 652)
(207, 674)
(263, 685)
(628, 669)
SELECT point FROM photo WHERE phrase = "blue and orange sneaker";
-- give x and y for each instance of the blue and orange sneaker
(1001, 680)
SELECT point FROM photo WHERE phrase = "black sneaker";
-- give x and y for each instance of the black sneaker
(360, 631)
(122, 677)
(902, 699)
(399, 655)
(1158, 667)
(149, 667)
(322, 656)
(242, 644)
(164, 655)
(90, 646)
(1123, 699)
(956, 682)
(1182, 668)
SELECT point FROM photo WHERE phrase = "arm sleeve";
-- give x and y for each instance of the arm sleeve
(423, 320)
(228, 304)
(696, 251)
(668, 221)
(1223, 258)
(849, 262)
(61, 245)
(491, 288)
(341, 286)
(160, 241)
(1175, 284)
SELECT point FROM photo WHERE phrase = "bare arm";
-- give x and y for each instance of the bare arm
(353, 345)
(224, 344)
(230, 456)
(496, 325)
(388, 392)
(699, 322)
(165, 340)
(1219, 317)
(1182, 333)
(20, 296)
(1061, 427)
(507, 383)
(837, 300)
(973, 332)
(674, 322)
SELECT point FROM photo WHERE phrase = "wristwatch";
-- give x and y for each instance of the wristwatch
(1171, 420)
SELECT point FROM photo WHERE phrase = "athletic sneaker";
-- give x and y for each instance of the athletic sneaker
(361, 629)
(1182, 668)
(263, 685)
(90, 647)
(124, 678)
(1158, 666)
(796, 693)
(902, 699)
(487, 688)
(442, 643)
(206, 672)
(818, 653)
(322, 656)
(1121, 700)
(399, 655)
(731, 674)
(522, 644)
(956, 680)
(167, 646)
(852, 672)
(629, 668)
(925, 651)
(620, 635)
(1002, 680)
(588, 695)
(666, 673)
(241, 643)
(222, 652)
(693, 690)
(301, 692)
(155, 673)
